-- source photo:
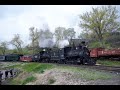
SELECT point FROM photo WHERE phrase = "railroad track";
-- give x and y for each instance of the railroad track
(97, 67)
(107, 68)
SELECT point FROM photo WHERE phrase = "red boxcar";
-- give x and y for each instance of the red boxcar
(26, 58)
(94, 52)
(101, 52)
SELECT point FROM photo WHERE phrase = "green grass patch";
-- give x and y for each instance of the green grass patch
(29, 79)
(85, 73)
(108, 62)
(37, 67)
(29, 67)
(41, 68)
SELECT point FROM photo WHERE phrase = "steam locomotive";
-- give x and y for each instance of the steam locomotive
(69, 54)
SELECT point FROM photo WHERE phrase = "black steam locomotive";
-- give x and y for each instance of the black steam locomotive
(69, 54)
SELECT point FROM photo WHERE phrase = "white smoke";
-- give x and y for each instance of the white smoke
(49, 43)
(63, 43)
(46, 43)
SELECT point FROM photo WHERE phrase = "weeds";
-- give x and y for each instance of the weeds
(109, 62)
(29, 79)
(51, 81)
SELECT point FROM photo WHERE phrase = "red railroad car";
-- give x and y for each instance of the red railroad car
(26, 58)
(106, 53)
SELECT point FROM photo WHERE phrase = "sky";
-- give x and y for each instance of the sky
(17, 19)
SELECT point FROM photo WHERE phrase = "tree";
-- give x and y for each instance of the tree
(114, 39)
(17, 42)
(69, 33)
(100, 21)
(3, 47)
(59, 34)
(34, 37)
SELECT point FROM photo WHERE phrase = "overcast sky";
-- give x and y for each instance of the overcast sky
(19, 18)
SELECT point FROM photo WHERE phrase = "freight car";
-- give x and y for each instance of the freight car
(10, 57)
(27, 58)
(105, 53)
(2, 57)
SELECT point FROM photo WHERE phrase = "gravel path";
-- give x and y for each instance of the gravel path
(65, 78)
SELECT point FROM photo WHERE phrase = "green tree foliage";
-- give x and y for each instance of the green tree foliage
(114, 39)
(99, 22)
(69, 33)
(17, 43)
(3, 47)
(59, 34)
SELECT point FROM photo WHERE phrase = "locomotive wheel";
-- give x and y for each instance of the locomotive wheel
(60, 61)
(92, 62)
(75, 62)
(65, 61)
(83, 62)
(47, 60)
(79, 61)
(39, 61)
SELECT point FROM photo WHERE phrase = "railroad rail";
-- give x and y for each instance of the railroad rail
(97, 67)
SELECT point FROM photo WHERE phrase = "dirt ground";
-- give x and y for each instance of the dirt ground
(66, 78)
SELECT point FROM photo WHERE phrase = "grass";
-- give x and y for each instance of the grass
(108, 62)
(22, 82)
(41, 68)
(29, 79)
(37, 67)
(29, 68)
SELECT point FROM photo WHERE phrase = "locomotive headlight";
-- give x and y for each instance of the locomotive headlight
(35, 56)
